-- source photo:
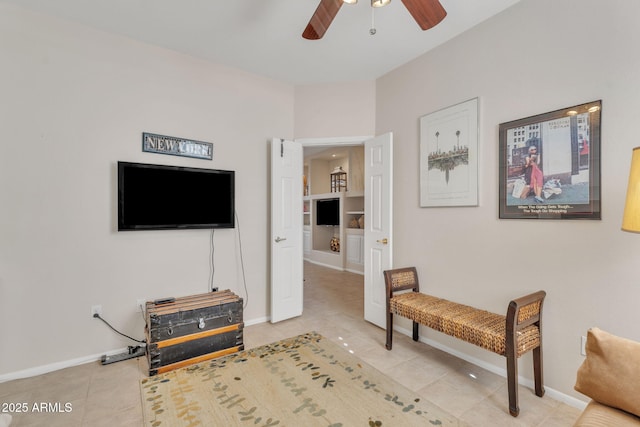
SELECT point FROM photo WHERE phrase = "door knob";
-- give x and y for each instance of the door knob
(280, 239)
(383, 241)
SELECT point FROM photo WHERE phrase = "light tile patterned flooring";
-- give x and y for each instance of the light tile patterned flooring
(333, 305)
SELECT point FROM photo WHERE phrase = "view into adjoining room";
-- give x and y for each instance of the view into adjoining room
(334, 200)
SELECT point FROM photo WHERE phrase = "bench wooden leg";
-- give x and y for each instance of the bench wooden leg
(389, 330)
(512, 382)
(415, 331)
(537, 371)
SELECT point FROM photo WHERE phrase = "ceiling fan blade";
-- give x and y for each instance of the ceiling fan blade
(427, 13)
(321, 19)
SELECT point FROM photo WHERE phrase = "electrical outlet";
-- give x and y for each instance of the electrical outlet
(96, 309)
(583, 346)
(141, 303)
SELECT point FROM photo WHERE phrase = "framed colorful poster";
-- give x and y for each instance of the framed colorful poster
(550, 165)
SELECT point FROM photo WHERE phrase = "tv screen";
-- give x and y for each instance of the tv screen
(328, 212)
(152, 197)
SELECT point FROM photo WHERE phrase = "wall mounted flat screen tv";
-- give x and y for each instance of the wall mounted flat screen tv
(157, 197)
(328, 212)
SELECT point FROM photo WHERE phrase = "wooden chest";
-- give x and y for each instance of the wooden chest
(193, 329)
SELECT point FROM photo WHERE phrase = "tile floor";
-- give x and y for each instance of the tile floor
(110, 396)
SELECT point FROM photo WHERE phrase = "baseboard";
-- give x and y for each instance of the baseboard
(257, 321)
(552, 393)
(44, 369)
(333, 267)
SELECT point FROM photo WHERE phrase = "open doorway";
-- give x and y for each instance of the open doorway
(333, 207)
(289, 238)
(333, 237)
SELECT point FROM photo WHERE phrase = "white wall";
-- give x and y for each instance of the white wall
(538, 56)
(335, 109)
(73, 102)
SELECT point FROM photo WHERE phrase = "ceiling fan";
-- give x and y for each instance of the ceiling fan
(427, 13)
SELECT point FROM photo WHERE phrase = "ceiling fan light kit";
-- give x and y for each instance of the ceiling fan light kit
(379, 3)
(427, 13)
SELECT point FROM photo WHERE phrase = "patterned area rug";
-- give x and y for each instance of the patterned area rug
(301, 381)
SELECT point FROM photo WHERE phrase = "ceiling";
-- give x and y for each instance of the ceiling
(264, 36)
(324, 153)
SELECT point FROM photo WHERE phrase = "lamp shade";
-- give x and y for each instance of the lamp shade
(631, 216)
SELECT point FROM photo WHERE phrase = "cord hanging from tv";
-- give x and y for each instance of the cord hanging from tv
(160, 197)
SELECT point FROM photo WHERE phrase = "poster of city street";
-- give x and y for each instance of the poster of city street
(550, 165)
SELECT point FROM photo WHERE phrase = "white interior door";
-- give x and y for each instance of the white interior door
(286, 230)
(378, 222)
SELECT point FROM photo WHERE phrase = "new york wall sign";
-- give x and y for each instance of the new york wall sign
(162, 144)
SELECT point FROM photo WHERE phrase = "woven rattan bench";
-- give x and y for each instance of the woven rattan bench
(511, 336)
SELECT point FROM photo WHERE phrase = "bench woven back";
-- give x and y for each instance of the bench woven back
(401, 279)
